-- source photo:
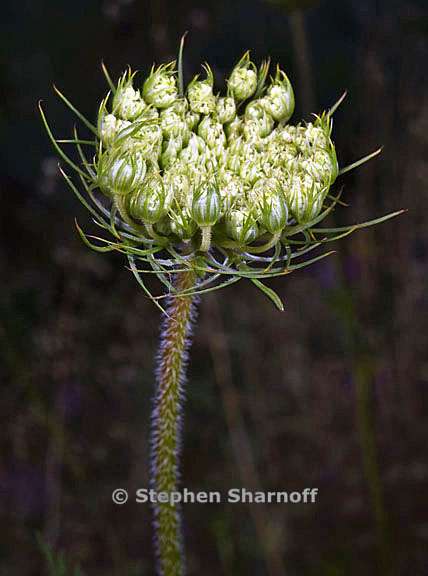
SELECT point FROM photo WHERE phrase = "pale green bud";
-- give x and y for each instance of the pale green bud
(254, 130)
(231, 188)
(304, 196)
(206, 205)
(171, 149)
(176, 186)
(160, 88)
(322, 166)
(233, 162)
(274, 212)
(258, 123)
(192, 119)
(286, 155)
(251, 131)
(195, 147)
(317, 136)
(279, 100)
(209, 161)
(200, 94)
(239, 151)
(241, 226)
(173, 124)
(242, 82)
(180, 106)
(250, 170)
(125, 131)
(225, 109)
(254, 111)
(148, 202)
(238, 147)
(107, 129)
(285, 135)
(220, 153)
(234, 129)
(261, 188)
(302, 141)
(143, 137)
(149, 113)
(121, 173)
(211, 132)
(127, 102)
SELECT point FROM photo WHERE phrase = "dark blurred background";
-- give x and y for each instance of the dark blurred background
(332, 393)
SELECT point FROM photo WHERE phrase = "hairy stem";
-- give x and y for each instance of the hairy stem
(206, 238)
(166, 424)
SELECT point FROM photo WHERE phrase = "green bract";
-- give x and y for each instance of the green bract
(223, 184)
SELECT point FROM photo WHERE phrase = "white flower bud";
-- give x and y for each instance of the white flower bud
(271, 204)
(234, 162)
(144, 137)
(316, 136)
(171, 149)
(177, 186)
(108, 127)
(127, 102)
(225, 109)
(279, 100)
(239, 146)
(242, 82)
(220, 153)
(148, 114)
(250, 170)
(261, 188)
(195, 147)
(191, 119)
(160, 88)
(200, 94)
(181, 107)
(231, 188)
(322, 166)
(258, 123)
(212, 132)
(173, 125)
(234, 129)
(304, 196)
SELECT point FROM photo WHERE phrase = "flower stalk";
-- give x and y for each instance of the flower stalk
(167, 425)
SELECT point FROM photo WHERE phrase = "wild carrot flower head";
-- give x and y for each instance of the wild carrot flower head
(223, 183)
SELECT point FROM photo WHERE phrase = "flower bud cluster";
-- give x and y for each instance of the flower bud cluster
(182, 163)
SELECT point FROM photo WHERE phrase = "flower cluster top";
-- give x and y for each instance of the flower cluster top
(190, 164)
(188, 179)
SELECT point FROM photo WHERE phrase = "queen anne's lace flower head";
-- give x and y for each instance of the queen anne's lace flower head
(208, 180)
(253, 158)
